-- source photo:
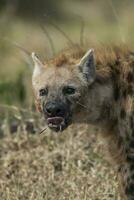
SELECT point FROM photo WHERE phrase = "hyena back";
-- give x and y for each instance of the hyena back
(94, 88)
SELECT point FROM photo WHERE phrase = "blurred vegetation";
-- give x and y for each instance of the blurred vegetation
(13, 91)
(30, 9)
(104, 22)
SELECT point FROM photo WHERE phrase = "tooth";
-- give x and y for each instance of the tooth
(50, 125)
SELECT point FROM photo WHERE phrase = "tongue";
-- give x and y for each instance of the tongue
(55, 120)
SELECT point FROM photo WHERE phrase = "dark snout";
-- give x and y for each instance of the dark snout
(56, 114)
(53, 109)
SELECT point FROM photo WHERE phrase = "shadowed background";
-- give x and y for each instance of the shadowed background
(49, 166)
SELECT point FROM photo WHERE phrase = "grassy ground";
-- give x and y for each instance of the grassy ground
(51, 166)
(55, 166)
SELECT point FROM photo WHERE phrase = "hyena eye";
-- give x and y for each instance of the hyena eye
(69, 90)
(43, 92)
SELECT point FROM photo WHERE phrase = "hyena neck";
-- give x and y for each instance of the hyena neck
(99, 103)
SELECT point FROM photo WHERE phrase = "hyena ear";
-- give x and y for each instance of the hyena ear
(38, 65)
(87, 66)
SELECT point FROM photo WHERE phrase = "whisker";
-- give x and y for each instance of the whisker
(81, 104)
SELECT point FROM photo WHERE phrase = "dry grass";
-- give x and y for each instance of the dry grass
(55, 166)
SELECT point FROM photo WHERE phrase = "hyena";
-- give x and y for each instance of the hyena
(96, 87)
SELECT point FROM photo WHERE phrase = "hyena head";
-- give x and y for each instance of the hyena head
(59, 90)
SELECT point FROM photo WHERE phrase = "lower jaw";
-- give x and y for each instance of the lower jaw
(61, 127)
(57, 128)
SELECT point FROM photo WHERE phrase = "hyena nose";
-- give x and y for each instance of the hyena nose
(54, 109)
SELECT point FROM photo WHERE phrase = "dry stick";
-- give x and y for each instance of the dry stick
(61, 31)
(20, 47)
(82, 28)
(82, 32)
(43, 130)
(118, 21)
(49, 39)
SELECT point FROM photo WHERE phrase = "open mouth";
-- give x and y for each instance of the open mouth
(56, 123)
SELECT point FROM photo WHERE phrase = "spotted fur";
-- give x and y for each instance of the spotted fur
(114, 84)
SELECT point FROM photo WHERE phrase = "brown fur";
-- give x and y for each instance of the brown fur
(108, 101)
(104, 55)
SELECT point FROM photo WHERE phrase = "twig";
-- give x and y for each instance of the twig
(82, 32)
(118, 21)
(49, 39)
(20, 47)
(60, 30)
(43, 130)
